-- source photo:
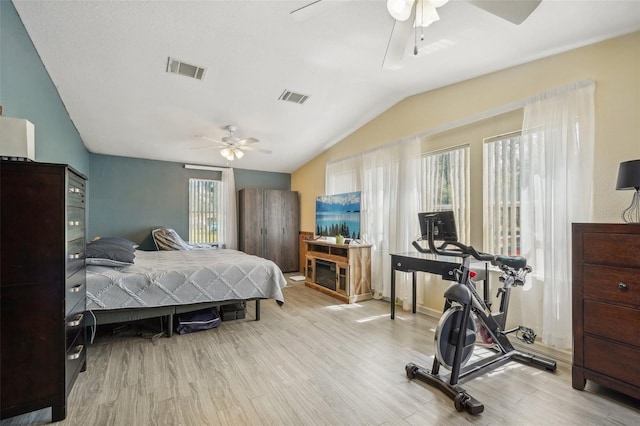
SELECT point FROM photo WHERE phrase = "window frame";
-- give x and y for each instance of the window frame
(199, 234)
(462, 213)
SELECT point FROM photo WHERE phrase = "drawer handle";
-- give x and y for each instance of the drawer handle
(76, 321)
(76, 352)
(75, 256)
(76, 288)
(75, 190)
(622, 286)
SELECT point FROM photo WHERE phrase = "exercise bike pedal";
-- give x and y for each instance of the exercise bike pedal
(465, 402)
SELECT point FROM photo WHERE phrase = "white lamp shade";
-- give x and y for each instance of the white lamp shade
(226, 153)
(400, 9)
(17, 138)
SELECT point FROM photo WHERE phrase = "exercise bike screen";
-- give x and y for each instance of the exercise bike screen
(444, 225)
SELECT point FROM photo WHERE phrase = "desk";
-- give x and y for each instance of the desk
(426, 262)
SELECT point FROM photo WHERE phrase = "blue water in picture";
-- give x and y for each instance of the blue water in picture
(338, 214)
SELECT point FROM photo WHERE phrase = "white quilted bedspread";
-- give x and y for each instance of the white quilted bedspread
(164, 278)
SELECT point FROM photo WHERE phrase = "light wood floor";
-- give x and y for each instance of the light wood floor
(313, 361)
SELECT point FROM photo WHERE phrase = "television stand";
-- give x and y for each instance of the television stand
(339, 270)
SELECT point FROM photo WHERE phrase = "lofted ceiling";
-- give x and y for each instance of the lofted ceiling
(109, 59)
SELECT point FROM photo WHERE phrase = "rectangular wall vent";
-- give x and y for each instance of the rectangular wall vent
(178, 67)
(290, 96)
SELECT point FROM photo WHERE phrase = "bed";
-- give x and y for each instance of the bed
(165, 283)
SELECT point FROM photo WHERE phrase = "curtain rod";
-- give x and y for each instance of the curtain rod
(209, 168)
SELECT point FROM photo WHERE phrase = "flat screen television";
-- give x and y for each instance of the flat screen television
(338, 214)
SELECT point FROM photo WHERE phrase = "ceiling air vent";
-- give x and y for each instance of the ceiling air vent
(178, 67)
(296, 98)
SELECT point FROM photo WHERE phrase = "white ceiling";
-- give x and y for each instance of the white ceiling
(109, 58)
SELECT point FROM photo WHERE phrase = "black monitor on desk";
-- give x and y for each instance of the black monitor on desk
(444, 225)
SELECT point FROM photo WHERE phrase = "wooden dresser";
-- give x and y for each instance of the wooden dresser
(42, 287)
(606, 306)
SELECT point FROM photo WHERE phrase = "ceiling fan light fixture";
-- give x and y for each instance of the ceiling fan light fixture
(400, 9)
(227, 153)
(426, 14)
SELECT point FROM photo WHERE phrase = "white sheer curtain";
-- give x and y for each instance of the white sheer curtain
(501, 199)
(446, 185)
(557, 187)
(389, 180)
(229, 219)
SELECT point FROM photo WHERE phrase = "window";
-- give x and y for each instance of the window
(445, 175)
(501, 179)
(205, 217)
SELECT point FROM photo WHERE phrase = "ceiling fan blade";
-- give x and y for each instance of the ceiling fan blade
(255, 149)
(246, 141)
(513, 11)
(306, 11)
(210, 139)
(398, 42)
(209, 146)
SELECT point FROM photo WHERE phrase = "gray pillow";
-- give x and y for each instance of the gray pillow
(105, 262)
(111, 249)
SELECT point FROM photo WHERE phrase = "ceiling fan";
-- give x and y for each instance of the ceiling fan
(232, 146)
(410, 14)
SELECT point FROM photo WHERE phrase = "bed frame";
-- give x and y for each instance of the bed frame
(113, 316)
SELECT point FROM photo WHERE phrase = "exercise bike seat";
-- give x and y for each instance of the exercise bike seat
(514, 262)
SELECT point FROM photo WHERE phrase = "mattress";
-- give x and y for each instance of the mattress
(168, 278)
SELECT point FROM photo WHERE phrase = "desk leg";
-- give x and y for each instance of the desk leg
(393, 293)
(413, 283)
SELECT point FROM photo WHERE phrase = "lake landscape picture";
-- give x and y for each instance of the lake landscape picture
(338, 214)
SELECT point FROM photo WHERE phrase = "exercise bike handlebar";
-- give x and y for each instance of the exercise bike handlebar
(511, 262)
(462, 250)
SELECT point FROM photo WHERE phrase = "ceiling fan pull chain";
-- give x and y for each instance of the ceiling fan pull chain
(415, 27)
(422, 27)
(415, 35)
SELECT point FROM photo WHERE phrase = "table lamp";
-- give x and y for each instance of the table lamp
(629, 178)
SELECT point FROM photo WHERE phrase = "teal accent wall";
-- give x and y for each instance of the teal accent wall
(265, 180)
(26, 91)
(129, 197)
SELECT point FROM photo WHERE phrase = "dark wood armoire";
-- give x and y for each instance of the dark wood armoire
(269, 224)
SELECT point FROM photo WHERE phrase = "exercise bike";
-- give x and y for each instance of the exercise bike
(456, 332)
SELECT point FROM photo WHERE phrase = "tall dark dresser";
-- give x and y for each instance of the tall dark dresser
(42, 287)
(606, 306)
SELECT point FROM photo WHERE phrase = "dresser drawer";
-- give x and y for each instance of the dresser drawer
(612, 359)
(599, 317)
(617, 285)
(611, 249)
(75, 223)
(71, 317)
(75, 358)
(75, 290)
(75, 255)
(74, 324)
(75, 190)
